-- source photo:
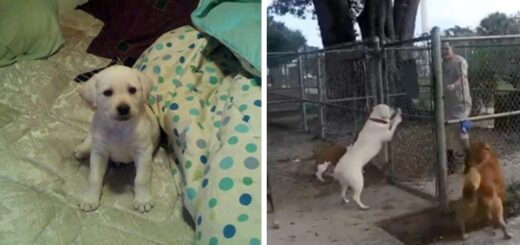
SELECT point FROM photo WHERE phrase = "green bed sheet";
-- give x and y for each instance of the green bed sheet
(42, 118)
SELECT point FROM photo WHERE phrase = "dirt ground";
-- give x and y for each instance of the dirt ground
(311, 212)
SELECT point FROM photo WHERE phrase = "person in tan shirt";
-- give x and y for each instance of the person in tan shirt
(457, 104)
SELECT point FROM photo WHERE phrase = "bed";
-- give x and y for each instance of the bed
(206, 101)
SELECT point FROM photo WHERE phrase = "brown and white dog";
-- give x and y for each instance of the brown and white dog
(483, 191)
(326, 158)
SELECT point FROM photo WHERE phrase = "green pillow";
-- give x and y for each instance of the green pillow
(29, 30)
(236, 24)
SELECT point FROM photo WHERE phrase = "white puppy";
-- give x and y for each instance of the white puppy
(379, 128)
(124, 130)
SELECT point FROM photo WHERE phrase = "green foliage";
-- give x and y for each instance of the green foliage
(281, 39)
(499, 24)
(458, 31)
(482, 73)
(488, 63)
(299, 8)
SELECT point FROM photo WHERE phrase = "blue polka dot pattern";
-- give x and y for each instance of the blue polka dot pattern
(242, 128)
(226, 121)
(167, 57)
(251, 163)
(201, 143)
(226, 163)
(254, 241)
(174, 106)
(214, 241)
(191, 193)
(212, 203)
(211, 112)
(229, 231)
(245, 199)
(157, 69)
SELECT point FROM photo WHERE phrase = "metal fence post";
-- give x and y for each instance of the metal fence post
(302, 93)
(386, 84)
(442, 173)
(321, 94)
(378, 72)
(380, 93)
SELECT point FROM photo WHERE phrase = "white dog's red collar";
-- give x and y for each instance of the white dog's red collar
(377, 120)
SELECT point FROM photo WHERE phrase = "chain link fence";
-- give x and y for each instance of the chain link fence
(408, 84)
(494, 78)
(334, 90)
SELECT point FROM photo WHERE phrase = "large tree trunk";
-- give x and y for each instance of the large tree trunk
(405, 12)
(346, 74)
(335, 25)
(390, 28)
(379, 18)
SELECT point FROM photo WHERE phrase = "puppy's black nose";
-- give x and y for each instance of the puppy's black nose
(123, 109)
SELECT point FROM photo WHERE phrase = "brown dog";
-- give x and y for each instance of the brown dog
(484, 189)
(326, 158)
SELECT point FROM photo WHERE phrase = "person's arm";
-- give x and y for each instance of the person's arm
(462, 72)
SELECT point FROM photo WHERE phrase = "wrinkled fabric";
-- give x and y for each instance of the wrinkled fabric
(237, 24)
(42, 119)
(211, 110)
(29, 30)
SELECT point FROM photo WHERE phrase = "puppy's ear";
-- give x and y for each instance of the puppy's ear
(88, 91)
(146, 84)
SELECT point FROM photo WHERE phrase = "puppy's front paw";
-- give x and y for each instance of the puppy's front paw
(364, 207)
(507, 235)
(319, 177)
(143, 203)
(397, 119)
(80, 153)
(89, 201)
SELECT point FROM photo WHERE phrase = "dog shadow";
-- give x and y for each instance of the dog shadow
(118, 176)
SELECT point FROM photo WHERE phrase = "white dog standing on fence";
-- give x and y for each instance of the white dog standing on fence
(123, 130)
(379, 128)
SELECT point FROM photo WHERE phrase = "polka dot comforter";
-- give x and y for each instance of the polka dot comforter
(210, 109)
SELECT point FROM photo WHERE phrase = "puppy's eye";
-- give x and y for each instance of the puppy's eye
(132, 90)
(108, 93)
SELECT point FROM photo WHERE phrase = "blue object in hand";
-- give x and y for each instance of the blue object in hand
(465, 126)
